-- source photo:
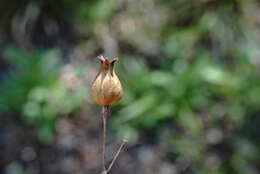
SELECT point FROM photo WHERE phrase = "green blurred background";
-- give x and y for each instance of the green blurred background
(191, 76)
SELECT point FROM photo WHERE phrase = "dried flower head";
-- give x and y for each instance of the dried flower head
(106, 88)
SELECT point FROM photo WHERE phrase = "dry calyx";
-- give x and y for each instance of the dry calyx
(106, 88)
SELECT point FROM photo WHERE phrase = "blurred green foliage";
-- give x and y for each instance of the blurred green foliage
(33, 88)
(204, 104)
(190, 70)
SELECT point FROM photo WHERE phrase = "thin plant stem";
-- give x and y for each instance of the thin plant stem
(105, 114)
(116, 155)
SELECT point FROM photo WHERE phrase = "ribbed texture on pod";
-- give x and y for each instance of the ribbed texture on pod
(106, 88)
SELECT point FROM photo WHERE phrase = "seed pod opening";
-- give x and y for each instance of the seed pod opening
(106, 88)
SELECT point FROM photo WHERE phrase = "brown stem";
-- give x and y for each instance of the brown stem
(116, 155)
(105, 113)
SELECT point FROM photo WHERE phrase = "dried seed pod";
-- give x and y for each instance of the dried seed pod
(106, 88)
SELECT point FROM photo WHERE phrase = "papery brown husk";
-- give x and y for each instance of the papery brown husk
(106, 88)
